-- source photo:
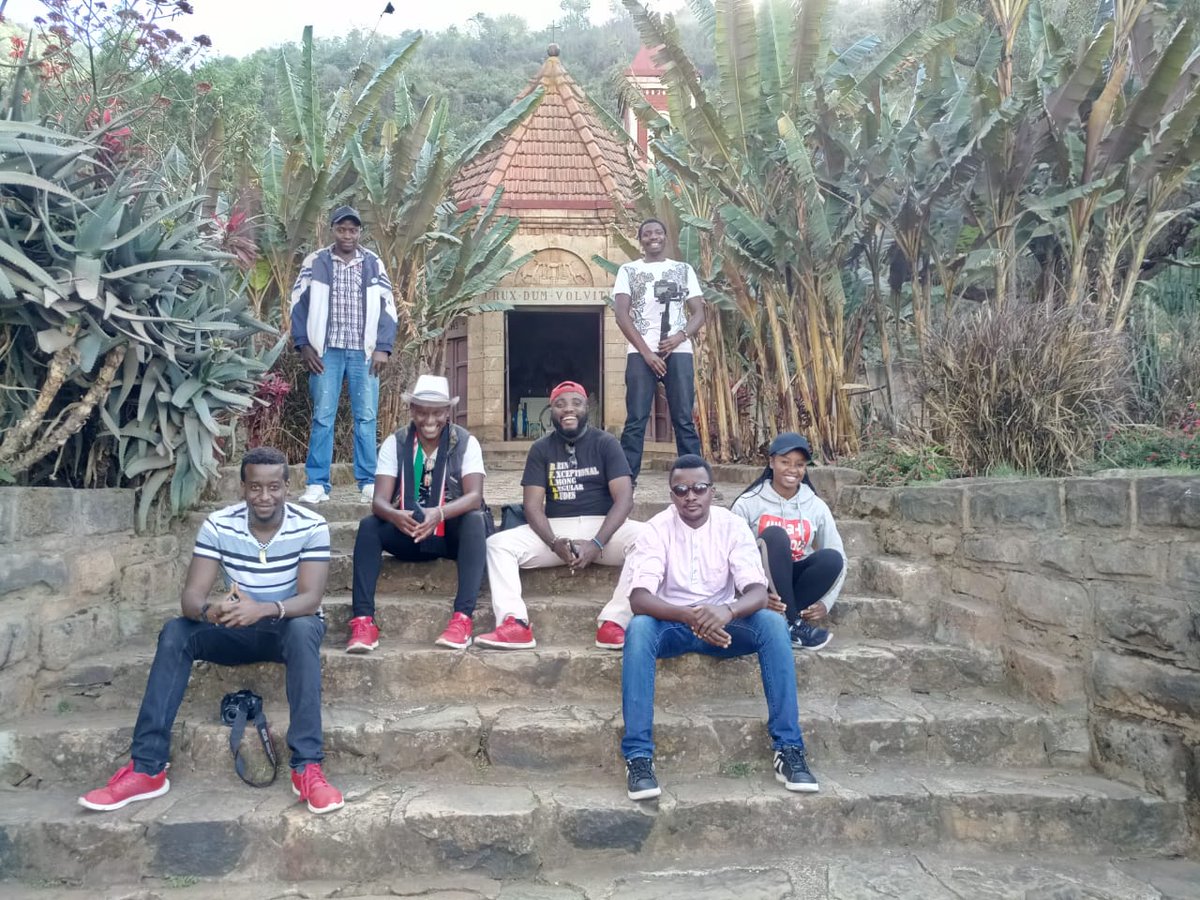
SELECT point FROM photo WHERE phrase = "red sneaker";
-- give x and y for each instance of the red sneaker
(610, 636)
(311, 786)
(457, 635)
(364, 636)
(511, 635)
(126, 787)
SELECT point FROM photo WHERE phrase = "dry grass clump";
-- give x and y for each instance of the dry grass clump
(1026, 388)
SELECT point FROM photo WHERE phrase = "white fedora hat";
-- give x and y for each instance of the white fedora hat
(430, 390)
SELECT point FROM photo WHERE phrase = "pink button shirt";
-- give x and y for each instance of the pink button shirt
(688, 566)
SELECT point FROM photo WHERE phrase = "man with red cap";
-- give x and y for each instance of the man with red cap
(578, 494)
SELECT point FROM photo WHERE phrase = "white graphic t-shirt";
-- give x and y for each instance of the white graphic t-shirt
(637, 280)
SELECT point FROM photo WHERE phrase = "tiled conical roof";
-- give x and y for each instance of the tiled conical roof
(561, 157)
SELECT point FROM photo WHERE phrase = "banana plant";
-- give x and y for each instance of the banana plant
(763, 170)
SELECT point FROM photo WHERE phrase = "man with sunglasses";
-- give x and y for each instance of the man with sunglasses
(577, 499)
(697, 585)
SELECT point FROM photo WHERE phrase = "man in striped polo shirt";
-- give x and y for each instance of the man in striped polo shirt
(274, 558)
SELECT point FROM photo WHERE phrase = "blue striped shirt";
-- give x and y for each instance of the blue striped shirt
(225, 536)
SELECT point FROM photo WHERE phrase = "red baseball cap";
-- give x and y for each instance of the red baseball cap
(568, 387)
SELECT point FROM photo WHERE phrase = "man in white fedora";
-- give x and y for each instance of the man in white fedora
(428, 504)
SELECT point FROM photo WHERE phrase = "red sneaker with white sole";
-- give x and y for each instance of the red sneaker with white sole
(457, 635)
(610, 636)
(364, 636)
(126, 787)
(511, 635)
(311, 787)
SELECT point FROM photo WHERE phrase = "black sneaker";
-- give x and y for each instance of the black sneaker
(640, 778)
(809, 637)
(791, 768)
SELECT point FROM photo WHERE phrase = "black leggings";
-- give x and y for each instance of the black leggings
(800, 583)
(465, 542)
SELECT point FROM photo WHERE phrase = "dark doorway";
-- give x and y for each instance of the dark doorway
(545, 348)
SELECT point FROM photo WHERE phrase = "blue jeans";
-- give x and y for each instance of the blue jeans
(326, 389)
(294, 642)
(647, 640)
(640, 382)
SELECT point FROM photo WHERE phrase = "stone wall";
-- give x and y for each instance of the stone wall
(1090, 590)
(66, 557)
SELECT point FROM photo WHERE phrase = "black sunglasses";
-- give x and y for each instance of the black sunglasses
(699, 489)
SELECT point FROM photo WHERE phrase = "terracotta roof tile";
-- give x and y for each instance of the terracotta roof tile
(560, 156)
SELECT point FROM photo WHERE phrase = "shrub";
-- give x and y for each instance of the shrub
(887, 460)
(1151, 447)
(1026, 388)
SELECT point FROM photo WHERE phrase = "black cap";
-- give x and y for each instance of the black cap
(345, 212)
(789, 441)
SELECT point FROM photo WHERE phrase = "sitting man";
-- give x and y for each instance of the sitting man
(685, 576)
(428, 504)
(578, 495)
(277, 554)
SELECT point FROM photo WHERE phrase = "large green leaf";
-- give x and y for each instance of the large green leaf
(737, 49)
(1147, 108)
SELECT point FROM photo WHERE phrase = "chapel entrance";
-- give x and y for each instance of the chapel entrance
(545, 347)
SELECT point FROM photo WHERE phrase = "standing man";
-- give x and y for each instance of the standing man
(343, 326)
(697, 585)
(428, 505)
(577, 497)
(659, 308)
(277, 557)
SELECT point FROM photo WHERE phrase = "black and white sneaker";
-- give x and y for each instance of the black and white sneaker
(791, 769)
(640, 778)
(809, 637)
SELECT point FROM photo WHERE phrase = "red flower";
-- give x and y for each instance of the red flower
(18, 47)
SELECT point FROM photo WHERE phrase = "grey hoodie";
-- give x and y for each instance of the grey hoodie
(805, 517)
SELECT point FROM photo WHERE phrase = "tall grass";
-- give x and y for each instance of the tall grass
(1024, 388)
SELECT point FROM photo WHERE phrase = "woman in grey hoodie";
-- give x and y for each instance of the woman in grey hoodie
(802, 550)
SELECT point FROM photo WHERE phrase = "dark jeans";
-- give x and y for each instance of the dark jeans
(294, 642)
(640, 382)
(647, 640)
(465, 542)
(799, 583)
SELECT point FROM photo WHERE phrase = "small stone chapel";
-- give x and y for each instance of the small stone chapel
(567, 178)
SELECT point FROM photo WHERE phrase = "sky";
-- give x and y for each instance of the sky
(238, 27)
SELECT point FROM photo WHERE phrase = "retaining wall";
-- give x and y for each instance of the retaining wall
(1090, 590)
(74, 579)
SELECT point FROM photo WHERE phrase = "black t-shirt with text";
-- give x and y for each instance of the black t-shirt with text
(576, 487)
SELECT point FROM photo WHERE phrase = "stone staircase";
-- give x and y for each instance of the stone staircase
(498, 773)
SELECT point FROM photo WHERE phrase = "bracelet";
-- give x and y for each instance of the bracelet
(442, 520)
(282, 610)
(204, 612)
(596, 541)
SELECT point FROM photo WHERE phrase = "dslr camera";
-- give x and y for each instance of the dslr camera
(667, 291)
(243, 699)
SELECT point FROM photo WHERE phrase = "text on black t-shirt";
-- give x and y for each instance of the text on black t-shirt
(577, 487)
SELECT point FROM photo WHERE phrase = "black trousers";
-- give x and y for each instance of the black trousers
(465, 543)
(800, 583)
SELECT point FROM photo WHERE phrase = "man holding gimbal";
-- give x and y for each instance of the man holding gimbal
(659, 305)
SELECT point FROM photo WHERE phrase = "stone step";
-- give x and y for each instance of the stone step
(504, 828)
(562, 620)
(929, 874)
(399, 672)
(389, 739)
(885, 576)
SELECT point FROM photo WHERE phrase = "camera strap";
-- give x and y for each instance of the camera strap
(237, 729)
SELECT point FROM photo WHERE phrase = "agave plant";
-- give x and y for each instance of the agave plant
(125, 354)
